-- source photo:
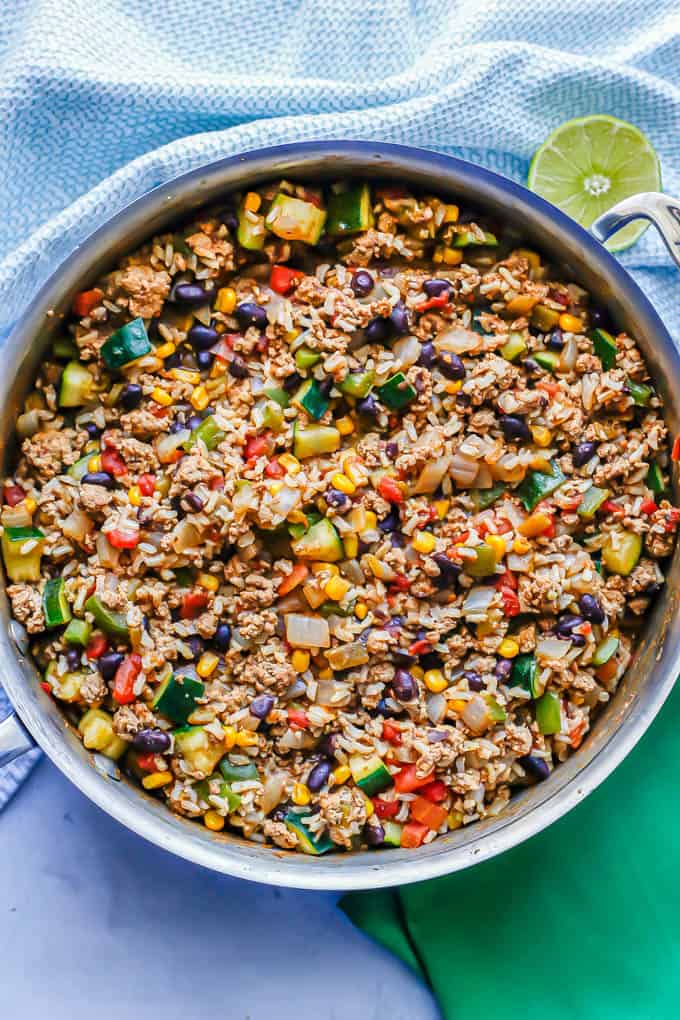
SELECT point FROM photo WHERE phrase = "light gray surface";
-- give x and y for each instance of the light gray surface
(95, 922)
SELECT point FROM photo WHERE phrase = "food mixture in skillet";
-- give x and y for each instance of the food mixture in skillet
(336, 516)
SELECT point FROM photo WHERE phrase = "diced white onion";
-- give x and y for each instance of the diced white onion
(477, 601)
(407, 351)
(345, 656)
(432, 474)
(463, 469)
(435, 708)
(552, 648)
(307, 631)
(459, 340)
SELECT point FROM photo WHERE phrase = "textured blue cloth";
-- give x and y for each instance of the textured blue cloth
(91, 90)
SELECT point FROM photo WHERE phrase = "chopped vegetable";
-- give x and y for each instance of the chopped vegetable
(295, 220)
(177, 696)
(22, 550)
(605, 347)
(311, 399)
(56, 609)
(77, 385)
(591, 502)
(315, 440)
(538, 485)
(125, 345)
(349, 212)
(396, 392)
(112, 623)
(548, 713)
(621, 551)
(370, 774)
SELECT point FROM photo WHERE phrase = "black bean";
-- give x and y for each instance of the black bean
(197, 645)
(195, 502)
(474, 680)
(555, 340)
(374, 834)
(566, 624)
(92, 430)
(536, 767)
(428, 355)
(362, 283)
(131, 396)
(202, 337)
(336, 498)
(319, 775)
(328, 745)
(261, 706)
(222, 637)
(250, 314)
(73, 659)
(514, 428)
(377, 331)
(238, 368)
(368, 406)
(102, 478)
(151, 741)
(291, 382)
(399, 318)
(583, 452)
(503, 669)
(392, 522)
(435, 288)
(188, 294)
(591, 609)
(451, 365)
(404, 685)
(204, 360)
(108, 663)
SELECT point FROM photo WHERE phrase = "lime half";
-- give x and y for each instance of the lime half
(589, 164)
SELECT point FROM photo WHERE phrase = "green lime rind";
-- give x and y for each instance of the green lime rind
(589, 164)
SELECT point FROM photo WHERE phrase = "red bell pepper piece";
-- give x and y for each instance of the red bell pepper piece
(14, 494)
(427, 813)
(292, 580)
(256, 446)
(147, 762)
(46, 687)
(413, 834)
(400, 583)
(610, 507)
(390, 490)
(406, 780)
(421, 647)
(274, 469)
(436, 792)
(147, 484)
(386, 808)
(675, 452)
(282, 278)
(506, 580)
(193, 604)
(84, 302)
(96, 646)
(440, 301)
(391, 732)
(648, 506)
(298, 719)
(124, 680)
(123, 539)
(511, 606)
(113, 462)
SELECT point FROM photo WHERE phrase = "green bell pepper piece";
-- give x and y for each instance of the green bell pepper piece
(640, 393)
(250, 232)
(605, 650)
(484, 498)
(65, 350)
(237, 773)
(278, 394)
(484, 564)
(548, 715)
(654, 479)
(544, 318)
(524, 673)
(605, 347)
(396, 392)
(112, 623)
(125, 345)
(466, 237)
(538, 484)
(592, 500)
(310, 399)
(549, 360)
(306, 358)
(78, 632)
(208, 432)
(515, 346)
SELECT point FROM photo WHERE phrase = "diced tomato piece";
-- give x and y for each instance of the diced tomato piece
(96, 646)
(216, 483)
(550, 531)
(424, 811)
(46, 687)
(292, 580)
(511, 606)
(113, 462)
(406, 781)
(282, 278)
(298, 719)
(672, 518)
(391, 193)
(274, 469)
(124, 680)
(13, 495)
(421, 647)
(413, 834)
(648, 506)
(193, 604)
(147, 484)
(400, 583)
(675, 452)
(506, 580)
(610, 507)
(123, 539)
(503, 526)
(391, 732)
(436, 792)
(147, 762)
(386, 808)
(390, 490)
(84, 302)
(256, 446)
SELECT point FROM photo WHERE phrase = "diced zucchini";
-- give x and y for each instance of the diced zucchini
(278, 394)
(357, 384)
(605, 650)
(321, 543)
(548, 715)
(605, 347)
(307, 841)
(654, 479)
(295, 220)
(202, 788)
(538, 484)
(310, 398)
(467, 237)
(524, 673)
(496, 712)
(330, 608)
(640, 393)
(208, 432)
(544, 319)
(313, 440)
(56, 609)
(392, 833)
(237, 773)
(125, 345)
(22, 549)
(112, 623)
(81, 467)
(306, 358)
(396, 392)
(484, 563)
(78, 632)
(370, 774)
(272, 416)
(484, 498)
(515, 346)
(349, 212)
(591, 502)
(76, 386)
(65, 687)
(250, 232)
(176, 697)
(549, 360)
(96, 728)
(297, 530)
(200, 752)
(621, 551)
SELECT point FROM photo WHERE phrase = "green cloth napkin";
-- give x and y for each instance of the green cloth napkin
(581, 921)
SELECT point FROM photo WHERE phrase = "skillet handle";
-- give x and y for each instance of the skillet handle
(659, 209)
(15, 740)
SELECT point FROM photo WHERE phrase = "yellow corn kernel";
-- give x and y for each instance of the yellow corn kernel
(292, 334)
(532, 257)
(299, 660)
(508, 648)
(351, 546)
(94, 463)
(156, 779)
(290, 463)
(343, 484)
(200, 398)
(423, 542)
(208, 581)
(301, 794)
(135, 495)
(435, 681)
(213, 821)
(345, 426)
(452, 256)
(337, 588)
(457, 705)
(418, 672)
(161, 397)
(453, 387)
(219, 368)
(275, 488)
(542, 436)
(361, 610)
(229, 737)
(30, 505)
(442, 507)
(451, 214)
(521, 546)
(341, 774)
(252, 201)
(165, 350)
(297, 517)
(521, 305)
(497, 543)
(369, 807)
(570, 323)
(185, 375)
(370, 521)
(329, 569)
(207, 664)
(454, 819)
(226, 300)
(534, 525)
(246, 738)
(354, 470)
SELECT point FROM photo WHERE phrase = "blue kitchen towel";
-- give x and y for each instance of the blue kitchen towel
(101, 101)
